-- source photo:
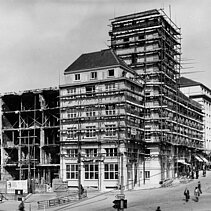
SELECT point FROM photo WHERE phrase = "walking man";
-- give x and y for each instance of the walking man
(199, 187)
(196, 194)
(187, 194)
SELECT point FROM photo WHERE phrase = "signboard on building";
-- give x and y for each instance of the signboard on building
(14, 185)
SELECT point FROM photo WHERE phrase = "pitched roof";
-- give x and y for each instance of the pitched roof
(184, 82)
(97, 59)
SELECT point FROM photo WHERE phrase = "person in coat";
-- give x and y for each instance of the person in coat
(199, 187)
(196, 193)
(187, 194)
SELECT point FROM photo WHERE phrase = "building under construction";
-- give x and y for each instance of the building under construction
(30, 135)
(149, 42)
(119, 118)
(101, 122)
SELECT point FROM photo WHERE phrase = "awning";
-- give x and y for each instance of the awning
(204, 159)
(198, 158)
(183, 162)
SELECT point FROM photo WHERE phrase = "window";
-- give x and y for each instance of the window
(72, 152)
(141, 37)
(90, 90)
(90, 112)
(111, 72)
(110, 109)
(93, 75)
(126, 39)
(90, 131)
(77, 77)
(111, 152)
(147, 174)
(110, 87)
(134, 57)
(111, 171)
(91, 171)
(71, 91)
(72, 171)
(71, 133)
(91, 152)
(71, 113)
(110, 130)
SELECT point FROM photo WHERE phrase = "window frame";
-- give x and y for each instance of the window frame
(72, 153)
(111, 171)
(77, 77)
(90, 131)
(111, 73)
(71, 171)
(71, 132)
(147, 175)
(90, 93)
(110, 130)
(93, 75)
(111, 152)
(91, 152)
(110, 109)
(91, 171)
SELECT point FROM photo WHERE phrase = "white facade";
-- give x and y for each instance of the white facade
(100, 122)
(202, 95)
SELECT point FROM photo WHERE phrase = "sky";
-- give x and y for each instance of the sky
(39, 39)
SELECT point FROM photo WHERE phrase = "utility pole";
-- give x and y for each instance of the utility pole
(29, 166)
(122, 184)
(79, 161)
(121, 203)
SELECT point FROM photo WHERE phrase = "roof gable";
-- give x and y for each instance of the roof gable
(103, 58)
(184, 82)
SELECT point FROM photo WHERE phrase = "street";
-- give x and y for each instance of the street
(169, 199)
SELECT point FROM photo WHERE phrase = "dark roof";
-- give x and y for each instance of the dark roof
(97, 59)
(185, 82)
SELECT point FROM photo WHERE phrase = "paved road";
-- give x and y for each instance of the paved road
(169, 199)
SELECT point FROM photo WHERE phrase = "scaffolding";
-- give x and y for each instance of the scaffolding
(30, 136)
(149, 42)
(109, 118)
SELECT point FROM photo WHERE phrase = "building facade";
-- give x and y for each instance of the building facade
(30, 135)
(119, 115)
(101, 122)
(149, 42)
(202, 94)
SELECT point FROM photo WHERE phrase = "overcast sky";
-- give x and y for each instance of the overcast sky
(40, 38)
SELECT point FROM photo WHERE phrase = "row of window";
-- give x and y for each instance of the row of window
(92, 171)
(110, 152)
(93, 75)
(108, 87)
(90, 112)
(90, 131)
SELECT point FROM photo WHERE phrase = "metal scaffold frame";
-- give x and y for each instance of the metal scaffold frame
(30, 133)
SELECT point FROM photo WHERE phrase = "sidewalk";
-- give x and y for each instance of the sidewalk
(31, 201)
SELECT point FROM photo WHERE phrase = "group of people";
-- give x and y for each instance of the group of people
(197, 192)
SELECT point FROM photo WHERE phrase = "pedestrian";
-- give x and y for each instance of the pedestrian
(158, 209)
(21, 206)
(204, 173)
(187, 194)
(192, 174)
(196, 194)
(199, 187)
(197, 174)
(82, 189)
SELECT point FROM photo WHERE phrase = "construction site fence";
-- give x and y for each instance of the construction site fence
(60, 200)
